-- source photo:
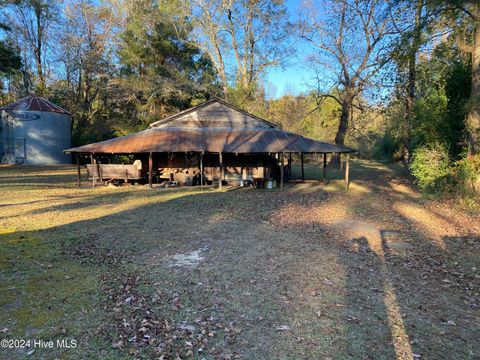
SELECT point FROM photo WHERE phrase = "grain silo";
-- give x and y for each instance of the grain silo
(34, 131)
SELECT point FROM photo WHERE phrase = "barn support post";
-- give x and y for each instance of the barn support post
(347, 170)
(150, 170)
(303, 170)
(78, 171)
(92, 162)
(201, 170)
(324, 166)
(220, 170)
(281, 170)
(98, 170)
(341, 162)
(290, 164)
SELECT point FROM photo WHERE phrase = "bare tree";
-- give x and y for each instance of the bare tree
(351, 47)
(409, 20)
(84, 49)
(32, 21)
(242, 37)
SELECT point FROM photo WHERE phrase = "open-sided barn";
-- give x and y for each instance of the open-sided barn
(212, 142)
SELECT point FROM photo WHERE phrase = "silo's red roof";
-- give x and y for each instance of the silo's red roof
(35, 103)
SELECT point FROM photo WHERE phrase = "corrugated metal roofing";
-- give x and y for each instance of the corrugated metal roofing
(34, 103)
(226, 140)
(213, 126)
(212, 114)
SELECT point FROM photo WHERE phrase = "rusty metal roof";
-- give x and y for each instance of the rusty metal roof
(226, 140)
(35, 103)
(214, 113)
(214, 127)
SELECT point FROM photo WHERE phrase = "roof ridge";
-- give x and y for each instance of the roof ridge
(183, 112)
(34, 102)
(246, 112)
(213, 99)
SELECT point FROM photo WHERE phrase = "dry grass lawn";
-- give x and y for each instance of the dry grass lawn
(311, 272)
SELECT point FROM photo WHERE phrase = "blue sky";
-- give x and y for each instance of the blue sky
(296, 75)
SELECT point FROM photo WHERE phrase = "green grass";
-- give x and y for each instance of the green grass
(94, 265)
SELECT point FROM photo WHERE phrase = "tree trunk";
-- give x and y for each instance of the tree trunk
(412, 78)
(38, 50)
(344, 120)
(408, 115)
(473, 120)
(342, 126)
(223, 78)
(220, 65)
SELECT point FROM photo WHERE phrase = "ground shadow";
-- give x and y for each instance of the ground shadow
(265, 289)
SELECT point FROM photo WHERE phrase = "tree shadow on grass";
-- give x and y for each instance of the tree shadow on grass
(254, 280)
(69, 280)
(429, 292)
(49, 277)
(255, 277)
(368, 323)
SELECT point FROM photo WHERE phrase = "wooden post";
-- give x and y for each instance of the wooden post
(98, 170)
(78, 171)
(220, 170)
(324, 166)
(340, 160)
(347, 169)
(303, 171)
(201, 171)
(150, 170)
(281, 170)
(290, 164)
(92, 161)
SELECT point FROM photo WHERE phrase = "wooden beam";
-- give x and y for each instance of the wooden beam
(220, 170)
(303, 170)
(324, 166)
(150, 170)
(347, 170)
(290, 164)
(98, 170)
(281, 170)
(201, 170)
(78, 171)
(92, 161)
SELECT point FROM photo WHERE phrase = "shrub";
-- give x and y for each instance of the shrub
(387, 148)
(432, 169)
(468, 174)
(436, 174)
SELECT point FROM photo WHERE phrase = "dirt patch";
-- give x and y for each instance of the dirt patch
(189, 260)
(310, 272)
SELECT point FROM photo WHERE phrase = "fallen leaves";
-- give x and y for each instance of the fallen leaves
(327, 282)
(118, 344)
(297, 289)
(141, 325)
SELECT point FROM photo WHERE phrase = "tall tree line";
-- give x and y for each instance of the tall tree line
(381, 68)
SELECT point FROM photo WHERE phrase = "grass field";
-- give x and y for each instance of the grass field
(310, 272)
